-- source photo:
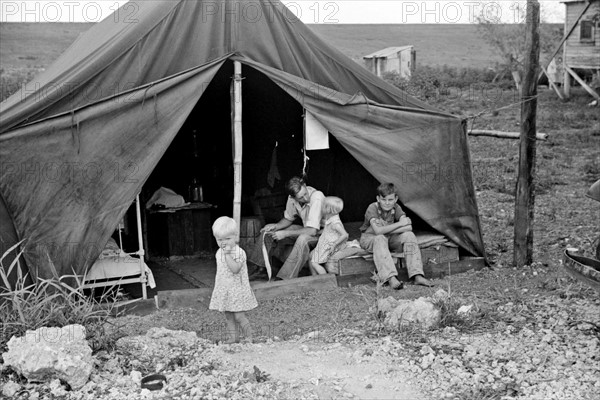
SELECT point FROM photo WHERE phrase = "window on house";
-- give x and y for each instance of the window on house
(586, 33)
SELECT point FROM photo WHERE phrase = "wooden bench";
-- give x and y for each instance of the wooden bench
(357, 266)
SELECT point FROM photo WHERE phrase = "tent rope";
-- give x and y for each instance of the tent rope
(75, 132)
(155, 109)
(489, 110)
(145, 93)
(305, 166)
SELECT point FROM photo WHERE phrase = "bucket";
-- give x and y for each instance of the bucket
(250, 232)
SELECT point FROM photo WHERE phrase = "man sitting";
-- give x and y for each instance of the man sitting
(287, 241)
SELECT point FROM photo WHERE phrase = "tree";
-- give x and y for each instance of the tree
(508, 40)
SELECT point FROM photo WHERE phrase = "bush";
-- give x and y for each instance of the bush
(48, 302)
(428, 83)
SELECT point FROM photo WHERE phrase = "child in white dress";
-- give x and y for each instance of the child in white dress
(333, 238)
(232, 293)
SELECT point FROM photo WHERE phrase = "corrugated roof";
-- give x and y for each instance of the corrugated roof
(387, 52)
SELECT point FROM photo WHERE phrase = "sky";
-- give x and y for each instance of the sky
(308, 11)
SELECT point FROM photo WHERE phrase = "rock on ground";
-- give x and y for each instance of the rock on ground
(52, 353)
(421, 311)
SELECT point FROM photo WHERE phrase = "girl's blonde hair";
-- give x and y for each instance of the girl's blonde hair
(333, 205)
(224, 226)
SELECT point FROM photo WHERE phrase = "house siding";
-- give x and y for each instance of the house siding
(582, 54)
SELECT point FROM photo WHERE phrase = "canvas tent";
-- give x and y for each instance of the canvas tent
(79, 141)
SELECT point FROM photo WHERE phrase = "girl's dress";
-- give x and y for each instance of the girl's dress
(328, 237)
(232, 292)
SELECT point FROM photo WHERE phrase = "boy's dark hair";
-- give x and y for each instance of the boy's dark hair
(294, 185)
(385, 189)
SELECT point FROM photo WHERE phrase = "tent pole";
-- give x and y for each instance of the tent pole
(237, 142)
(138, 220)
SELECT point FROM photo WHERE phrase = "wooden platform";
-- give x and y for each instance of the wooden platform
(354, 271)
(194, 298)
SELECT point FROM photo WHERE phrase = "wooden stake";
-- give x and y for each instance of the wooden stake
(525, 197)
(237, 142)
(504, 135)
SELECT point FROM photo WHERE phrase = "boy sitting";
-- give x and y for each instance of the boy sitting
(386, 228)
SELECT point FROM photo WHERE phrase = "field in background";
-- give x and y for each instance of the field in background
(30, 45)
(37, 45)
(436, 44)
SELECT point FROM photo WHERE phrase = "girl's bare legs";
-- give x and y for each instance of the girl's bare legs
(316, 269)
(232, 332)
(311, 267)
(244, 325)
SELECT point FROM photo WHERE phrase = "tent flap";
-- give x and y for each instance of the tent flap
(68, 180)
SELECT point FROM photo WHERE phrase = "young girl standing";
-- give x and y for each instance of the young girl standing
(232, 293)
(332, 239)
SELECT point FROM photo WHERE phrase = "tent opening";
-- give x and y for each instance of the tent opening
(273, 143)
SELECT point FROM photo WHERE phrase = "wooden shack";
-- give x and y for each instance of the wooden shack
(401, 60)
(581, 50)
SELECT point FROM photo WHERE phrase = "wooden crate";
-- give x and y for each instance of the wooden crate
(362, 265)
(432, 271)
(439, 254)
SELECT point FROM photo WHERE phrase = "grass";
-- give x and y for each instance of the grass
(54, 302)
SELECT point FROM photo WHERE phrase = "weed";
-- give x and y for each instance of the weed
(591, 170)
(48, 302)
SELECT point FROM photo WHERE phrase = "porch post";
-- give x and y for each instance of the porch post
(566, 76)
(237, 141)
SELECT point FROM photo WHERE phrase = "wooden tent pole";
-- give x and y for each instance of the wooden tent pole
(141, 253)
(237, 142)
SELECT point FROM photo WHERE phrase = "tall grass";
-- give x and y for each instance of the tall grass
(53, 302)
(429, 83)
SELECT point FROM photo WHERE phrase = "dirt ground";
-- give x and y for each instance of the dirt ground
(507, 299)
(329, 370)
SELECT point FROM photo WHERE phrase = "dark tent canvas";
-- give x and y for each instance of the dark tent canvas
(79, 142)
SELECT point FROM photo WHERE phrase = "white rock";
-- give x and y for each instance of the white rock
(463, 310)
(420, 311)
(136, 377)
(427, 360)
(57, 389)
(52, 353)
(10, 388)
(440, 295)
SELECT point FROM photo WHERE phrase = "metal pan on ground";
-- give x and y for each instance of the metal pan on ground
(584, 269)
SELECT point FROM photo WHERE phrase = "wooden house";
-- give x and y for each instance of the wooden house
(581, 50)
(401, 60)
